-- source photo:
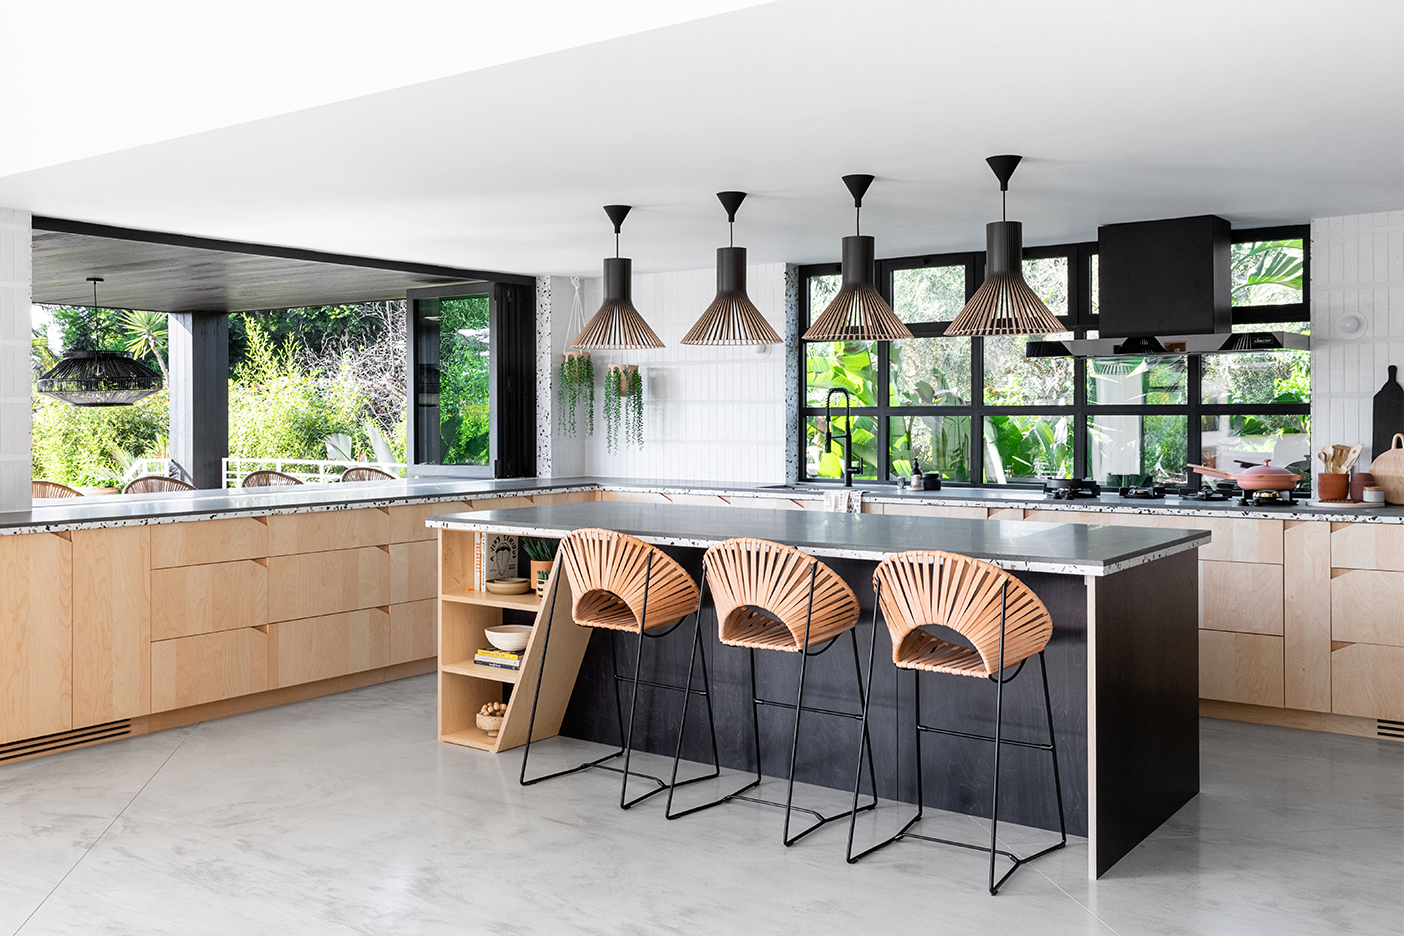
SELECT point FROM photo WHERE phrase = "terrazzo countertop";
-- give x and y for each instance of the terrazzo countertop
(113, 510)
(1017, 545)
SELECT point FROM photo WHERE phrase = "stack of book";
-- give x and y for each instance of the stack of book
(491, 656)
(494, 556)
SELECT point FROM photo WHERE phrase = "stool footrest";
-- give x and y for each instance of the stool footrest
(856, 716)
(980, 737)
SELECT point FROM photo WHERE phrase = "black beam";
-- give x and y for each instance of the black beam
(199, 396)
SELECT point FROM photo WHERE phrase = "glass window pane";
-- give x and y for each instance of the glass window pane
(1266, 272)
(851, 365)
(939, 443)
(930, 372)
(822, 290)
(930, 294)
(1232, 443)
(1263, 377)
(1096, 284)
(1124, 449)
(1027, 448)
(463, 381)
(1049, 279)
(824, 457)
(1133, 381)
(1011, 379)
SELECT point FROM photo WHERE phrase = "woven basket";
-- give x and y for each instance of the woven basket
(1388, 469)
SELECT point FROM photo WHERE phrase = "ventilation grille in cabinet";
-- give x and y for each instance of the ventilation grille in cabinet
(1386, 728)
(64, 739)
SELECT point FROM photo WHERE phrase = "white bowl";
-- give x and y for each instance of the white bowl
(510, 637)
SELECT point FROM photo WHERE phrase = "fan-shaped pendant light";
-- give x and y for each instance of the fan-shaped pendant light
(618, 325)
(94, 377)
(858, 312)
(732, 318)
(1004, 304)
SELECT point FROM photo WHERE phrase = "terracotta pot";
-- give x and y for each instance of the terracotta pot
(1332, 487)
(540, 575)
(1358, 483)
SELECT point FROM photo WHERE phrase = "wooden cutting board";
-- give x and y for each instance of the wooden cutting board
(1389, 414)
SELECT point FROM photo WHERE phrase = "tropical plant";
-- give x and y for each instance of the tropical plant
(623, 406)
(91, 446)
(1267, 272)
(540, 549)
(146, 333)
(575, 384)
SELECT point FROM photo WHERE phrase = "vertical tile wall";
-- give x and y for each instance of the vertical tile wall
(15, 405)
(709, 413)
(1357, 266)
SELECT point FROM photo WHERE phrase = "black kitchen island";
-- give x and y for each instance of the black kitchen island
(1123, 665)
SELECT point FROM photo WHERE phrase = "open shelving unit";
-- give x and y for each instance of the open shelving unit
(464, 686)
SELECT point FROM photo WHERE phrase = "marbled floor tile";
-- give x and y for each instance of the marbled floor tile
(345, 815)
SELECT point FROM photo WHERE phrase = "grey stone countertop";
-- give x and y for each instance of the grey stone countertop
(1019, 545)
(140, 509)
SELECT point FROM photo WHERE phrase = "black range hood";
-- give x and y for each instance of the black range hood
(1165, 288)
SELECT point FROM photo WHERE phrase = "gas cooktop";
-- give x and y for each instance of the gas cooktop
(1070, 488)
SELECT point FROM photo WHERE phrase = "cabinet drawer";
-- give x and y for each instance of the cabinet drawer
(414, 571)
(1240, 667)
(332, 645)
(1368, 607)
(326, 530)
(1240, 596)
(1368, 680)
(202, 599)
(320, 583)
(414, 633)
(1367, 546)
(931, 510)
(202, 541)
(207, 668)
(407, 522)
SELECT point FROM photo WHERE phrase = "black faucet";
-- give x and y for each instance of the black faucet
(847, 434)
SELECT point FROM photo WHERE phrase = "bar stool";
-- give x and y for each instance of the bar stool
(768, 596)
(620, 583)
(1006, 623)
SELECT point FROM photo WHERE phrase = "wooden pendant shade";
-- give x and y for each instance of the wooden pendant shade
(731, 319)
(925, 587)
(618, 325)
(761, 593)
(1004, 305)
(607, 570)
(858, 312)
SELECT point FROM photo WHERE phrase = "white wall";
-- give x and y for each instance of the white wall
(709, 413)
(15, 405)
(1357, 265)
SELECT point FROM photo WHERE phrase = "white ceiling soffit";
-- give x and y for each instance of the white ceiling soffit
(1262, 111)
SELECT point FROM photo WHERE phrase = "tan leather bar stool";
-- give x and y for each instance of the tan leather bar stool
(1004, 621)
(768, 596)
(622, 584)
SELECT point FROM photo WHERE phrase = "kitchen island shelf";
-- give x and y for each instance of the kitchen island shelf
(480, 671)
(527, 602)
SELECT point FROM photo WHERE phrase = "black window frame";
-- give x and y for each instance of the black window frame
(1079, 320)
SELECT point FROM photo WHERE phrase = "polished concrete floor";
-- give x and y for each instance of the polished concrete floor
(345, 815)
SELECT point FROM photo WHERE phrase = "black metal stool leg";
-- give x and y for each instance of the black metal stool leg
(863, 701)
(697, 650)
(864, 743)
(1053, 749)
(999, 722)
(624, 802)
(799, 710)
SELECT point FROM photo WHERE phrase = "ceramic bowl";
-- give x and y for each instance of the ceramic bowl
(510, 637)
(511, 586)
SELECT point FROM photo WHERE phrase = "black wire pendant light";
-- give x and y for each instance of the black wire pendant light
(858, 312)
(618, 325)
(1004, 304)
(95, 377)
(732, 318)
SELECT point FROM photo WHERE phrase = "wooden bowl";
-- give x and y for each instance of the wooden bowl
(492, 724)
(509, 586)
(510, 637)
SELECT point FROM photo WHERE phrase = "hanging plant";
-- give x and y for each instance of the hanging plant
(623, 390)
(575, 386)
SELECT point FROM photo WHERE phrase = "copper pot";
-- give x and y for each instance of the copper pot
(1262, 477)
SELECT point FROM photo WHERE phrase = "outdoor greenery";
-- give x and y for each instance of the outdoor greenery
(463, 381)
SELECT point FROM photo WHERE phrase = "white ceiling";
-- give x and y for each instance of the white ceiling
(1262, 111)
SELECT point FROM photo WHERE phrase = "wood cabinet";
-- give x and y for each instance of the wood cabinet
(1240, 668)
(413, 631)
(1306, 615)
(36, 635)
(407, 522)
(202, 541)
(327, 530)
(1245, 597)
(929, 510)
(1367, 546)
(1368, 680)
(1367, 606)
(202, 599)
(208, 667)
(314, 584)
(414, 572)
(112, 602)
(331, 645)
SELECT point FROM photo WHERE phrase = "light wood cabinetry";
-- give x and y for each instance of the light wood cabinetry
(413, 631)
(1367, 607)
(1234, 539)
(1240, 668)
(204, 541)
(928, 510)
(1368, 680)
(331, 645)
(36, 635)
(202, 599)
(1306, 615)
(312, 584)
(1367, 546)
(407, 522)
(413, 571)
(327, 530)
(1245, 597)
(208, 667)
(112, 601)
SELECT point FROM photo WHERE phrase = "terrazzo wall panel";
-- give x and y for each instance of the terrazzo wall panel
(710, 413)
(15, 406)
(1357, 266)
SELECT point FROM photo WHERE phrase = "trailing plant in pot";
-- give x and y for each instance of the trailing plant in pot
(542, 553)
(623, 403)
(576, 386)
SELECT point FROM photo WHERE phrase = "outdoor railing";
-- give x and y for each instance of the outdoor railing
(307, 470)
(141, 467)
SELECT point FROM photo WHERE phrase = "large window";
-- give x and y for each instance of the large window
(980, 412)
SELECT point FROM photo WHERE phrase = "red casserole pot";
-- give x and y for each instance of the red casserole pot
(1262, 477)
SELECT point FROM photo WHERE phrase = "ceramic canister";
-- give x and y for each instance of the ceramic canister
(1358, 483)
